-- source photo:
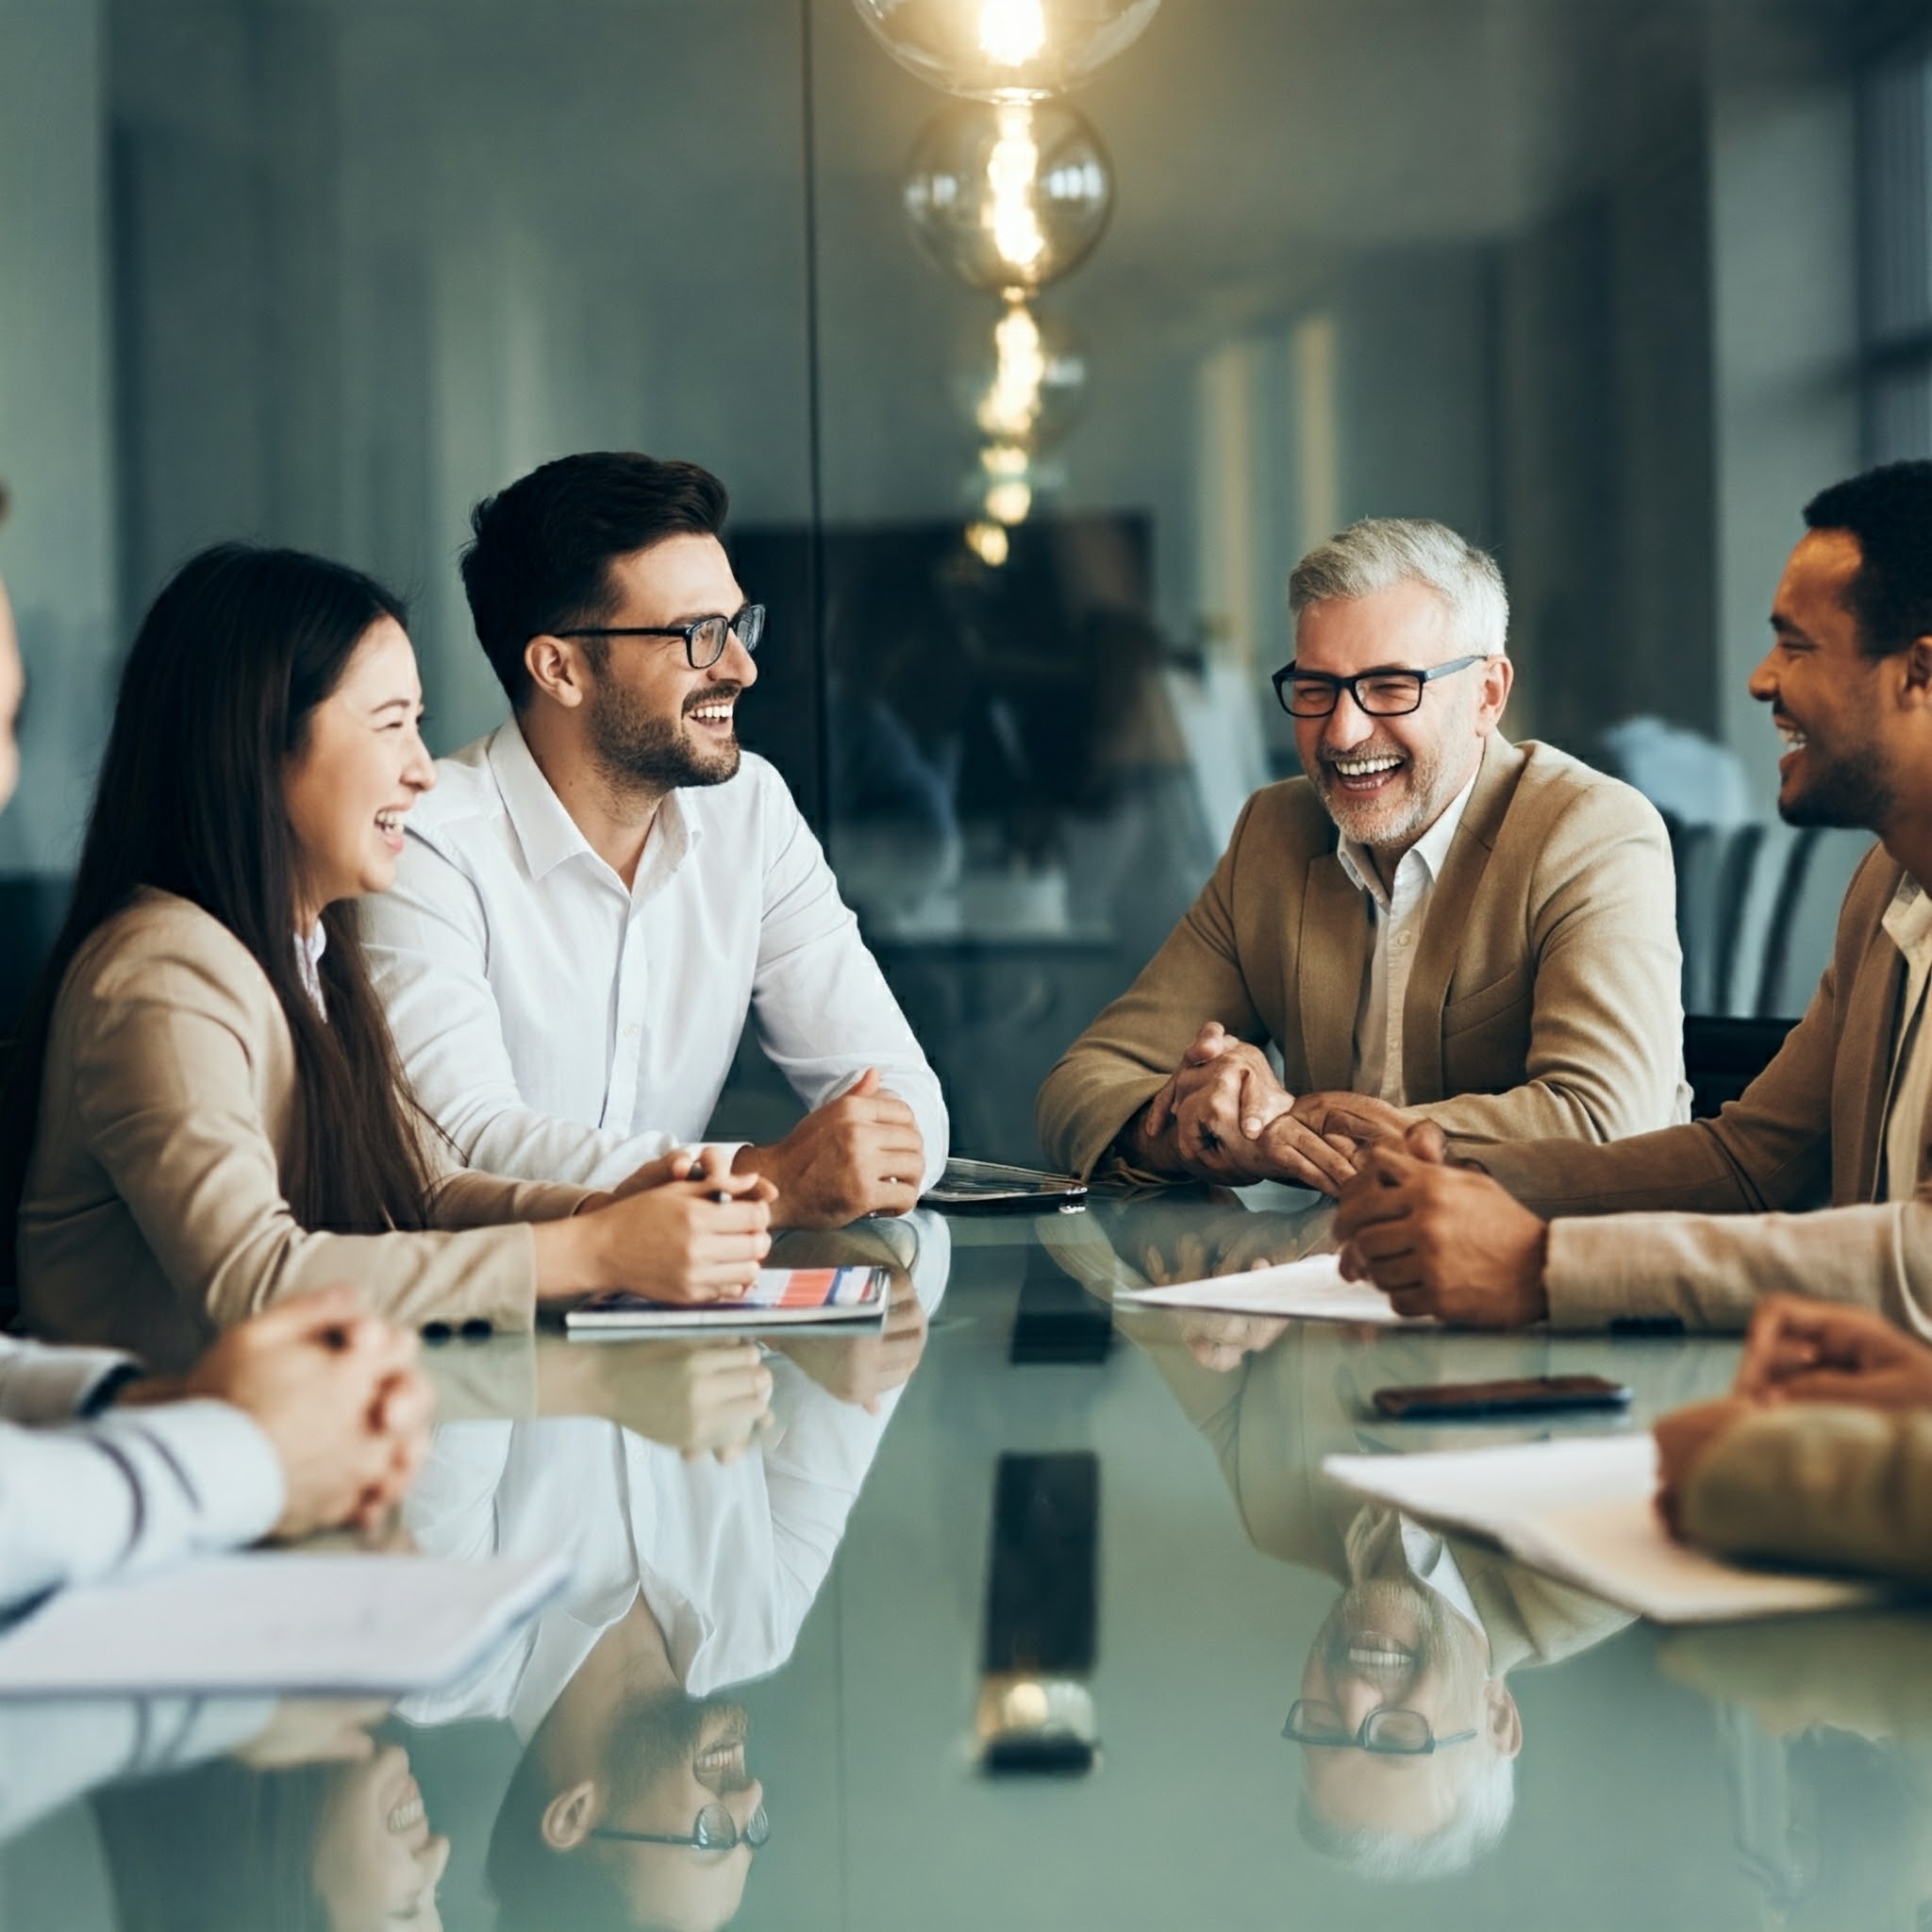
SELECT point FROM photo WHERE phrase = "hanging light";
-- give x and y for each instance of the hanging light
(1005, 50)
(989, 542)
(1025, 387)
(1009, 198)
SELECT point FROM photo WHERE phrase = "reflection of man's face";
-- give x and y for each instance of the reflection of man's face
(670, 1758)
(1393, 1644)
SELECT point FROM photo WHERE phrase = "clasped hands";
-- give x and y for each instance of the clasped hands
(1224, 1117)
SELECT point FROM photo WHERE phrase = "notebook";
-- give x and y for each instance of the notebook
(276, 1622)
(1583, 1509)
(781, 1297)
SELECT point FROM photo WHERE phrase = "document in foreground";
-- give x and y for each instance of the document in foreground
(1584, 1511)
(1311, 1290)
(277, 1620)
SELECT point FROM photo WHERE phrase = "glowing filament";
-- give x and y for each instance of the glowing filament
(1012, 407)
(989, 542)
(1011, 32)
(1012, 176)
(1009, 501)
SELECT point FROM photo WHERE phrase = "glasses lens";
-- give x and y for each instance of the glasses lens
(750, 626)
(716, 1830)
(1399, 1731)
(759, 1829)
(1315, 1724)
(706, 639)
(1389, 697)
(1308, 697)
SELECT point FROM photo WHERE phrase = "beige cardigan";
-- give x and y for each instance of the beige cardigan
(154, 1213)
(1543, 998)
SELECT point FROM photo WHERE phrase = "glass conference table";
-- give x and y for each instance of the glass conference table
(814, 1644)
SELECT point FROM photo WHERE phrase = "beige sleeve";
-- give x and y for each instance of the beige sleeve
(1606, 1031)
(1842, 1488)
(1127, 1055)
(163, 1093)
(1709, 1271)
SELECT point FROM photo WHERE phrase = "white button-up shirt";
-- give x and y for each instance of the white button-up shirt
(1908, 921)
(132, 1490)
(560, 1025)
(1395, 922)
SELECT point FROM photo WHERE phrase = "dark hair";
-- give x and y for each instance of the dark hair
(539, 553)
(1889, 510)
(236, 653)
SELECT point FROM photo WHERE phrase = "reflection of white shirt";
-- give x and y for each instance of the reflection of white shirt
(1908, 921)
(560, 1025)
(1396, 924)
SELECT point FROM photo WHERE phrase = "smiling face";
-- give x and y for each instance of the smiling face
(360, 767)
(376, 1862)
(1828, 700)
(651, 723)
(1385, 781)
(1395, 1646)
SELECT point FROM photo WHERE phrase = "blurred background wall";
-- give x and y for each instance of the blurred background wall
(1610, 287)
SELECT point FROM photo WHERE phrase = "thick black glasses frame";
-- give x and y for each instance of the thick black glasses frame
(1414, 681)
(1366, 1739)
(749, 623)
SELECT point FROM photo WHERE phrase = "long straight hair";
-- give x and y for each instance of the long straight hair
(216, 698)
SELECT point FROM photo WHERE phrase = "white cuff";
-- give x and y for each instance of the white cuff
(41, 1386)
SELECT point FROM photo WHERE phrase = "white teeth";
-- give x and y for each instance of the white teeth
(388, 820)
(406, 1814)
(1364, 768)
(1793, 740)
(715, 714)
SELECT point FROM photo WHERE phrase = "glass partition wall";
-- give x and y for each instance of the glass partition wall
(1610, 289)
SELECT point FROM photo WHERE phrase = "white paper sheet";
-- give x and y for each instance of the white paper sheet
(1583, 1511)
(1311, 1290)
(277, 1620)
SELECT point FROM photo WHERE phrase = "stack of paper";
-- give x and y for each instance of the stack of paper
(1585, 1510)
(1311, 1289)
(277, 1621)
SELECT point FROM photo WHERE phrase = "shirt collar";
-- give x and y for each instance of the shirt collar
(548, 834)
(310, 947)
(1909, 918)
(1429, 851)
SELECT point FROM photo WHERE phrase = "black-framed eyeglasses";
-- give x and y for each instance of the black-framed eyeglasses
(1392, 1733)
(704, 637)
(716, 1830)
(1379, 693)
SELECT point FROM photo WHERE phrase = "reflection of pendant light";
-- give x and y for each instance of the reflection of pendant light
(1005, 50)
(989, 542)
(1028, 390)
(1009, 198)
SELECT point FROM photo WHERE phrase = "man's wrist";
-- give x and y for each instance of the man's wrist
(1539, 1289)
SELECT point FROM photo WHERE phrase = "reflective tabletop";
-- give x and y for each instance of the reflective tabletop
(917, 1633)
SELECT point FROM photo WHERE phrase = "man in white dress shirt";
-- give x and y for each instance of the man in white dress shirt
(599, 895)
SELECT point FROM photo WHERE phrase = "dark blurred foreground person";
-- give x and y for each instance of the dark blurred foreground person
(1821, 1454)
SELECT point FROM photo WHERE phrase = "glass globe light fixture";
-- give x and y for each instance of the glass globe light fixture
(1009, 198)
(989, 542)
(1005, 50)
(1027, 386)
(1008, 484)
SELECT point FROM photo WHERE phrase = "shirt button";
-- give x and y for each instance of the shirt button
(630, 1032)
(1405, 939)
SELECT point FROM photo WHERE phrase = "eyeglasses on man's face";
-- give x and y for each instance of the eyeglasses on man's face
(1390, 692)
(704, 637)
(1390, 1733)
(716, 1830)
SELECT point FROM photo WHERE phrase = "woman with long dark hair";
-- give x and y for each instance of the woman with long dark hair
(207, 1111)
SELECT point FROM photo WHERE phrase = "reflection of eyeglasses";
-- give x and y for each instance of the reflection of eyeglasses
(716, 1830)
(1394, 1733)
(1378, 693)
(704, 637)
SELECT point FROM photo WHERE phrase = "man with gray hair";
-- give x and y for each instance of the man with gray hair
(1431, 923)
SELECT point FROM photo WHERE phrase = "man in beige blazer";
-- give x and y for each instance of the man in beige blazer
(1432, 924)
(1695, 1223)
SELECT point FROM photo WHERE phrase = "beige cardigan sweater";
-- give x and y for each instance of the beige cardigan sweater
(154, 1213)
